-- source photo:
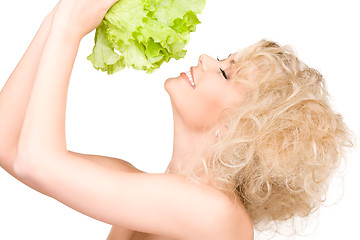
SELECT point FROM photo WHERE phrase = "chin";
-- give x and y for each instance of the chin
(170, 85)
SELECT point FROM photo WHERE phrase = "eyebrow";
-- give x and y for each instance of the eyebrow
(232, 61)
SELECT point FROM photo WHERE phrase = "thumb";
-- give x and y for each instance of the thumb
(109, 3)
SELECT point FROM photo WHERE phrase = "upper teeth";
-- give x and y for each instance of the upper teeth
(188, 74)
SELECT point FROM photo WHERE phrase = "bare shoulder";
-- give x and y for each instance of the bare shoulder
(239, 221)
(223, 218)
(233, 222)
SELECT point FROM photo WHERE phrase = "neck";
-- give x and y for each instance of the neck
(188, 147)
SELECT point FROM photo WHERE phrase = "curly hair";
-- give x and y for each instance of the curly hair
(283, 144)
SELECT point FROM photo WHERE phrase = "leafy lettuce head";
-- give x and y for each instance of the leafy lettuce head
(144, 33)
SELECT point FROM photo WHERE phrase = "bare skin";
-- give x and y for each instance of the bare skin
(36, 154)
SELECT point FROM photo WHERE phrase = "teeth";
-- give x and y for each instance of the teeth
(188, 74)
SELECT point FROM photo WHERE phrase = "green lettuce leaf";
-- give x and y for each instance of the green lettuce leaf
(144, 33)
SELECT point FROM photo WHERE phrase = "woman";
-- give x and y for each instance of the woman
(255, 140)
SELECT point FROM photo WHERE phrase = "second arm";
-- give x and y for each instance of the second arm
(15, 95)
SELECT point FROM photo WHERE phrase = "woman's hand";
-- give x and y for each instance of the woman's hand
(79, 17)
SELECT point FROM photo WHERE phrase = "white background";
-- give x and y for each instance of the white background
(128, 115)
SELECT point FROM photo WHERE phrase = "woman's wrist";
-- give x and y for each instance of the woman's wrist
(47, 21)
(61, 24)
(46, 25)
(65, 31)
(63, 34)
(51, 26)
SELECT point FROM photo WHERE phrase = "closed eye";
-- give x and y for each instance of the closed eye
(223, 73)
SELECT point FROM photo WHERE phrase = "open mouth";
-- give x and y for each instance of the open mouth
(188, 76)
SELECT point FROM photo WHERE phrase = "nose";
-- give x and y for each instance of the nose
(204, 61)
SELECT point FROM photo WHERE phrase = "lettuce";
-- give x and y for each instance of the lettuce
(144, 33)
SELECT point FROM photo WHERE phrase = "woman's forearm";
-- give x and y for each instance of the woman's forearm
(43, 130)
(15, 95)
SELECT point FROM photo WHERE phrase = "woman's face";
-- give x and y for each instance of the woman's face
(214, 90)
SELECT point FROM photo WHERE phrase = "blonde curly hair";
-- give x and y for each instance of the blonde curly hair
(283, 144)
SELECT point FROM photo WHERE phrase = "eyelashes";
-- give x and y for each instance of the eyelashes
(223, 73)
(221, 70)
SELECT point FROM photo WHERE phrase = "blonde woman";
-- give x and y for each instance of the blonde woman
(255, 140)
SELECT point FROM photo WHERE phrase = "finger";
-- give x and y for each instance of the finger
(109, 3)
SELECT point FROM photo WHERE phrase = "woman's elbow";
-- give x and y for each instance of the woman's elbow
(28, 172)
(23, 166)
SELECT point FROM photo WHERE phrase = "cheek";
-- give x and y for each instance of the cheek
(206, 105)
(213, 96)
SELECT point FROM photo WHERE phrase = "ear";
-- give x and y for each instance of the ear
(220, 131)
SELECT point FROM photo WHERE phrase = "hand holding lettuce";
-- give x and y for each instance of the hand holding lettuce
(144, 33)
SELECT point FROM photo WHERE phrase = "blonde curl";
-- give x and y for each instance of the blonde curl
(284, 142)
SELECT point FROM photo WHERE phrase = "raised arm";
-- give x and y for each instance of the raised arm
(14, 99)
(14, 96)
(161, 204)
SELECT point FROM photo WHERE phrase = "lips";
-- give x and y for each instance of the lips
(189, 77)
